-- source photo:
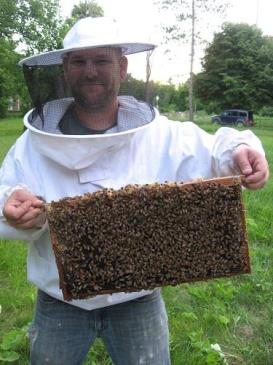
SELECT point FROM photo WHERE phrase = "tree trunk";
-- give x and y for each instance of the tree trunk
(191, 62)
(148, 75)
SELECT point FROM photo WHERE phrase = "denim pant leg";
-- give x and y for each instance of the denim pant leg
(136, 332)
(61, 334)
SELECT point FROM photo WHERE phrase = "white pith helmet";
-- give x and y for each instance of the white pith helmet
(91, 33)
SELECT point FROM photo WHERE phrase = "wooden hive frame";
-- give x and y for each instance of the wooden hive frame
(142, 237)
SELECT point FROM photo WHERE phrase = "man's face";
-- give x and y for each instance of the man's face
(94, 76)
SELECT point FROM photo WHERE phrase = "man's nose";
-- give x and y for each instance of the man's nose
(90, 69)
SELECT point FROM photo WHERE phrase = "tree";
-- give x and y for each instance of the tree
(30, 26)
(7, 18)
(169, 96)
(11, 79)
(133, 87)
(237, 69)
(85, 9)
(82, 10)
(148, 75)
(191, 11)
(34, 24)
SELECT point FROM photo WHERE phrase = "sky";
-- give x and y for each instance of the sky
(172, 62)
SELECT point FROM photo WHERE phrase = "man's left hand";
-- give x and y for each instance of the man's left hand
(253, 165)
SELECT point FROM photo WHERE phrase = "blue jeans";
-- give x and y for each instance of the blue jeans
(134, 332)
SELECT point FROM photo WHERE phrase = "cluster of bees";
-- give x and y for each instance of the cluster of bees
(142, 237)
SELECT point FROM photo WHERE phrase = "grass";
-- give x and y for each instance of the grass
(234, 315)
(10, 129)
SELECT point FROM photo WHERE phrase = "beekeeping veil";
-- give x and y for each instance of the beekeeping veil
(44, 72)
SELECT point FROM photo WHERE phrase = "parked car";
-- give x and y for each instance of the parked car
(234, 116)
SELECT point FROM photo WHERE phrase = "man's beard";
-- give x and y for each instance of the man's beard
(94, 101)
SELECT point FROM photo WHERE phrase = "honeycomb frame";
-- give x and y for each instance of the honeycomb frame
(146, 236)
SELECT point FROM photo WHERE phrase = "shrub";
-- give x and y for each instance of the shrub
(266, 111)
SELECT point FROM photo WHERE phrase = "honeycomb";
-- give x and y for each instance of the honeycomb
(146, 236)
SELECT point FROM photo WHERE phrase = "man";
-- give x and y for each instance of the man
(97, 140)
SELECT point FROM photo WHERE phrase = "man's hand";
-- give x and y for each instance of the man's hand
(253, 165)
(24, 210)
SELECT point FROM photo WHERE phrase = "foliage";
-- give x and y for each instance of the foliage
(82, 10)
(7, 18)
(11, 344)
(165, 96)
(10, 77)
(87, 8)
(267, 111)
(171, 97)
(28, 25)
(35, 24)
(238, 69)
(40, 25)
(133, 87)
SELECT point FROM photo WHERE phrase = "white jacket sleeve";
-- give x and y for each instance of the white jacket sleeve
(205, 155)
(225, 142)
(11, 179)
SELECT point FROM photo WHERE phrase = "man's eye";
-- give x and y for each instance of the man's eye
(78, 62)
(102, 62)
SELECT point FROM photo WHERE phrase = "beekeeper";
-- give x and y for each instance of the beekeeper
(87, 141)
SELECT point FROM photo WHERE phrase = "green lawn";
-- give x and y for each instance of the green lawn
(233, 314)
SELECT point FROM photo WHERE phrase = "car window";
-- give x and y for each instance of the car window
(243, 114)
(227, 113)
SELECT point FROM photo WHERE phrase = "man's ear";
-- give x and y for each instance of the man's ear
(123, 68)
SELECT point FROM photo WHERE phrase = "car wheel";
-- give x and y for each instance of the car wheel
(216, 120)
(240, 124)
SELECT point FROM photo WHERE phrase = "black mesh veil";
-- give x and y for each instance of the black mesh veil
(45, 83)
(91, 76)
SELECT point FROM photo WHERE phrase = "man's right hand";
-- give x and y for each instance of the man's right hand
(24, 210)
